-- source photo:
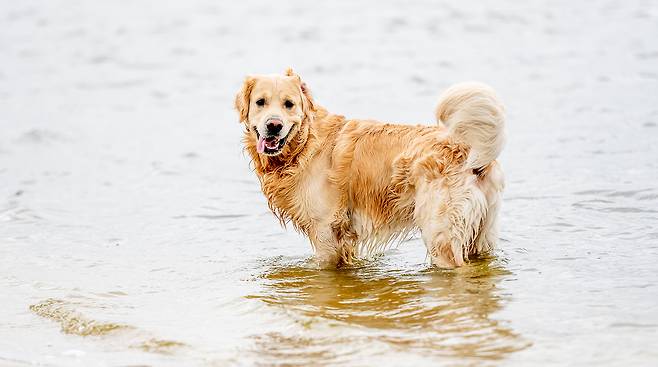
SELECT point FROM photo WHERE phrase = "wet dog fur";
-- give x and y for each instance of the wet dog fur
(355, 186)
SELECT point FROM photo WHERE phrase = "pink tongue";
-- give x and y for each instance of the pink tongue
(260, 147)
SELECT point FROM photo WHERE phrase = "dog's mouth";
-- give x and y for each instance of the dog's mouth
(270, 145)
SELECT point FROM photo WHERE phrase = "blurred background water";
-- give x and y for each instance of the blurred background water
(132, 231)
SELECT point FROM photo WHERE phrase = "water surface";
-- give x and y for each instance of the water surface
(132, 231)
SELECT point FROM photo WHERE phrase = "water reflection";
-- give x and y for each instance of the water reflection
(432, 313)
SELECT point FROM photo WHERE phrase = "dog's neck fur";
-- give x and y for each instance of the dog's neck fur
(279, 175)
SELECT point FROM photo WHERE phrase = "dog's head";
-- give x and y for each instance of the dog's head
(274, 108)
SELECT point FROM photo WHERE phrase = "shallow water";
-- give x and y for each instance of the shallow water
(132, 231)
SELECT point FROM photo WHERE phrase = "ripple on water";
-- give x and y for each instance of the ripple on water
(159, 346)
(618, 201)
(40, 136)
(72, 322)
(434, 312)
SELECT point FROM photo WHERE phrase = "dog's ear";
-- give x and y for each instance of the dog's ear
(306, 94)
(243, 97)
(308, 105)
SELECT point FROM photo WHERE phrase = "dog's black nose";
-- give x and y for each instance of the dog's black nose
(273, 127)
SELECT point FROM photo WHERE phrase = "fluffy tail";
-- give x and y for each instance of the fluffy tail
(476, 117)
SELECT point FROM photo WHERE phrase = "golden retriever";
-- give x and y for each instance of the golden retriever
(354, 186)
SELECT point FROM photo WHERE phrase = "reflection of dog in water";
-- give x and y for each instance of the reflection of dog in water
(436, 313)
(353, 186)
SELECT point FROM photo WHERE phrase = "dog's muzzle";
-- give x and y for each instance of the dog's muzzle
(271, 143)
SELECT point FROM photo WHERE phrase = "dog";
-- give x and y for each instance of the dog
(355, 186)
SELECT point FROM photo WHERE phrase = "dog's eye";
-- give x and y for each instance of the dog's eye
(261, 102)
(289, 104)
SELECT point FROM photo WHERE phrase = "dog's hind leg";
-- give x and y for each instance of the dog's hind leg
(488, 235)
(449, 213)
(491, 182)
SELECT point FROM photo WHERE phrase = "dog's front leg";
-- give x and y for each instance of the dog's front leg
(325, 246)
